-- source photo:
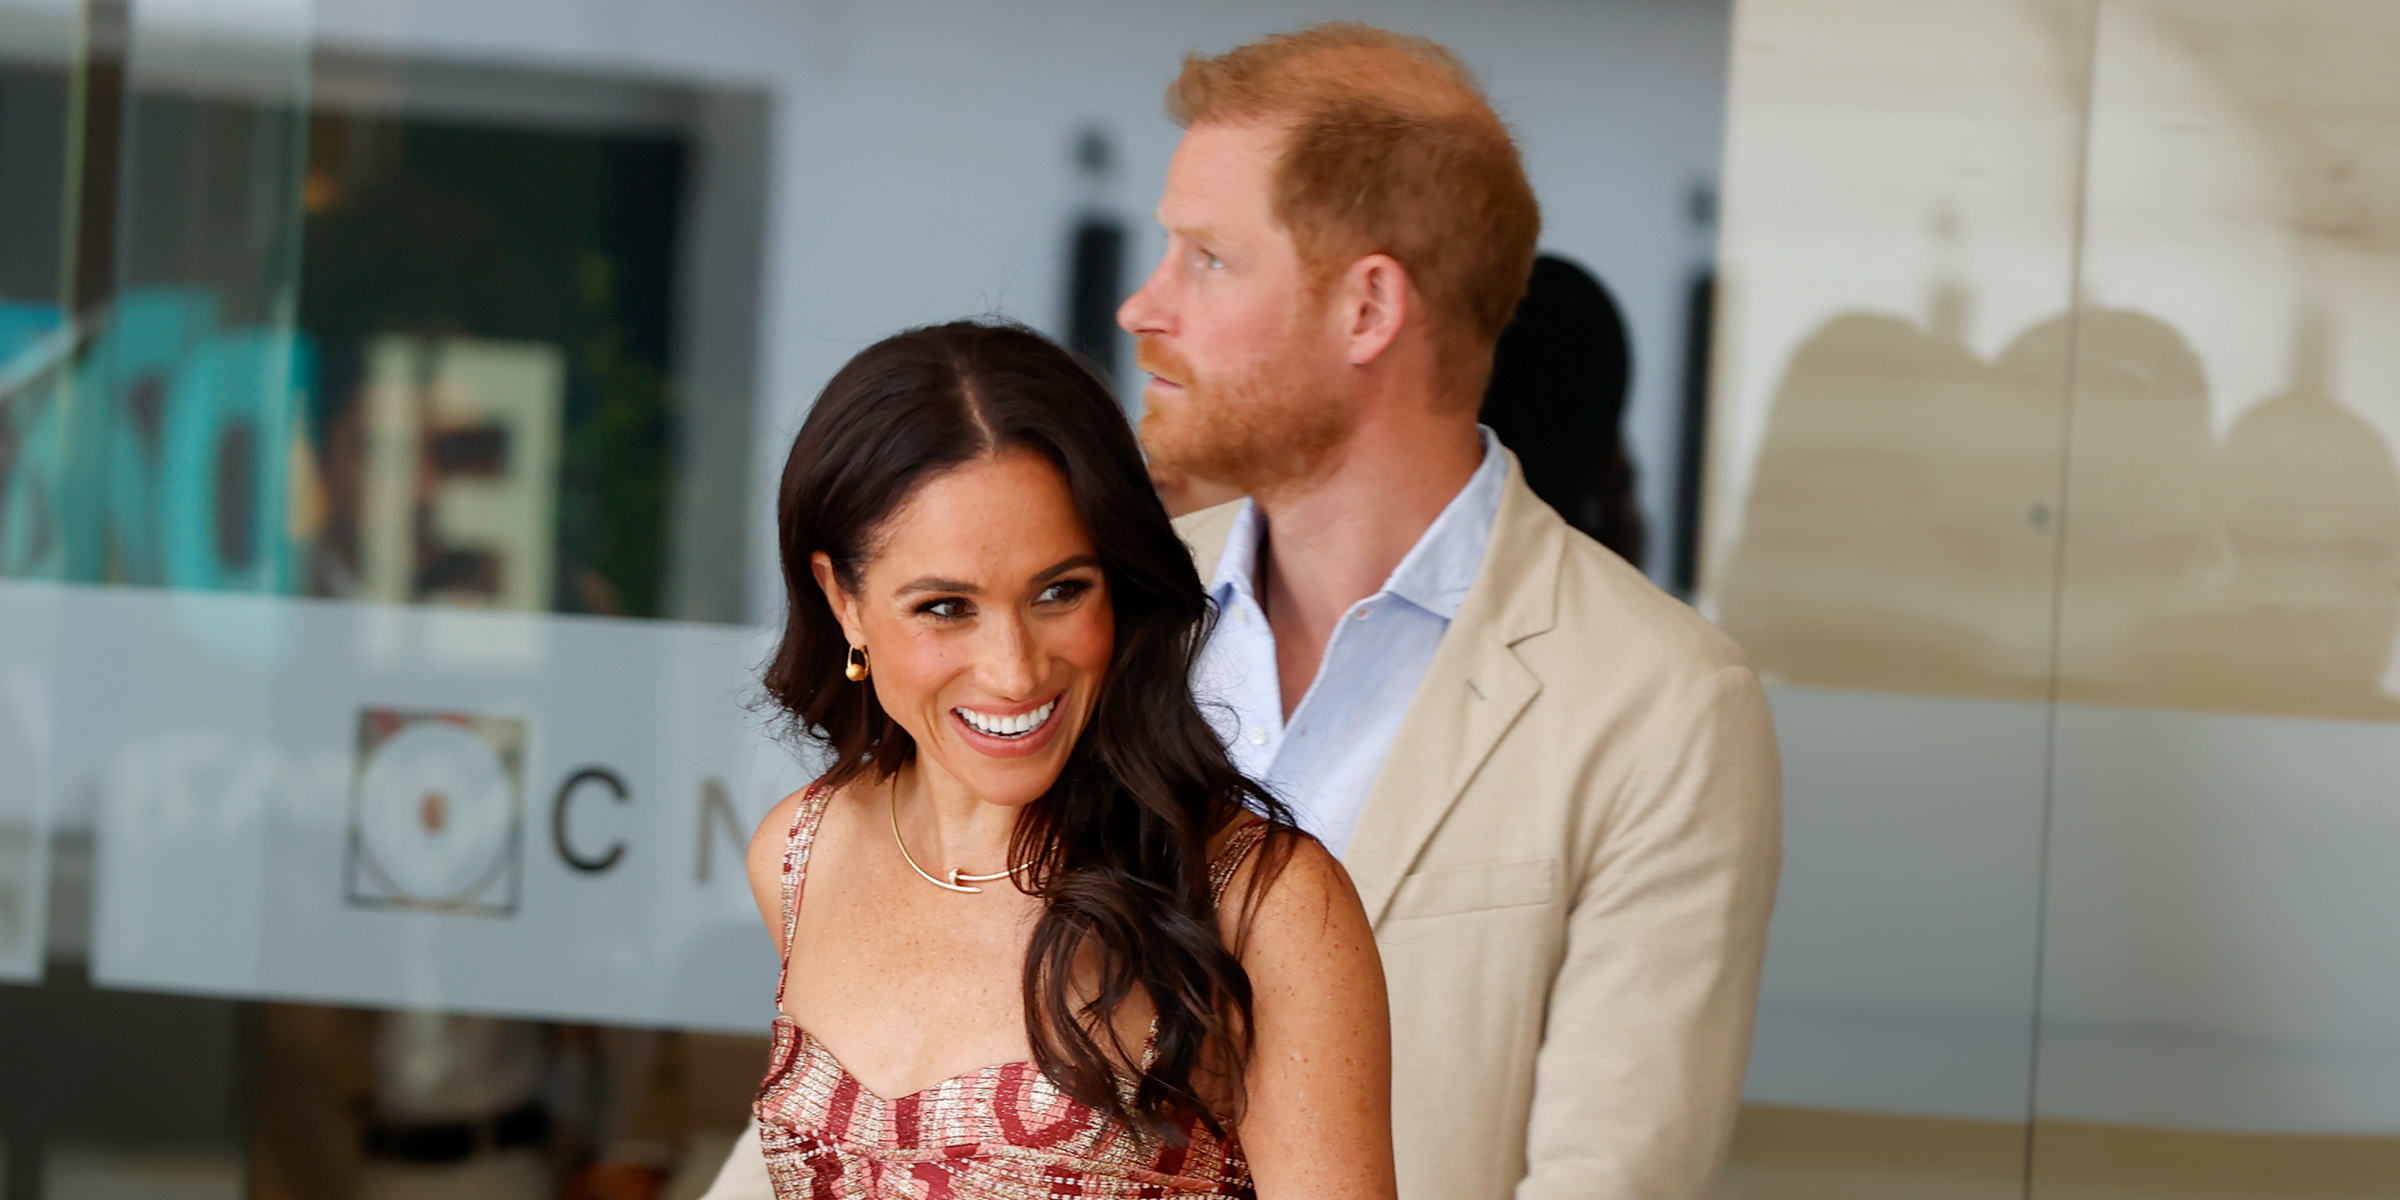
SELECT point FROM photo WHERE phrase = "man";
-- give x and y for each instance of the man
(1554, 785)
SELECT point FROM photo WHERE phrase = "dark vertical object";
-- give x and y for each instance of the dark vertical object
(1095, 263)
(1095, 288)
(1557, 398)
(99, 126)
(1699, 313)
(1699, 326)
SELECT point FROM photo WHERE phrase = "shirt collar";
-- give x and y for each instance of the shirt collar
(1437, 572)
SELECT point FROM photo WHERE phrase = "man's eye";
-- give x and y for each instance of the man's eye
(948, 608)
(1213, 262)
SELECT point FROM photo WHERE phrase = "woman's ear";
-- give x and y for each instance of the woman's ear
(845, 608)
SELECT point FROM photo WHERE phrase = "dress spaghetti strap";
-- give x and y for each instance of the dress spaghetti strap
(1229, 859)
(797, 843)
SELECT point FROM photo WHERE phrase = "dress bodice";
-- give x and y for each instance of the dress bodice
(1001, 1132)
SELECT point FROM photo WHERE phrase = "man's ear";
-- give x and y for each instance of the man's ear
(1377, 299)
(845, 609)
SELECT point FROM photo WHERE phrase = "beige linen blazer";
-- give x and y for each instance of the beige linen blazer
(1569, 857)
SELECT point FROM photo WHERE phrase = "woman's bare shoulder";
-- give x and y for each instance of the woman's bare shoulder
(1304, 904)
(1319, 1084)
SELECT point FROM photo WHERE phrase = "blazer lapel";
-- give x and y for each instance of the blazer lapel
(1473, 692)
(1205, 533)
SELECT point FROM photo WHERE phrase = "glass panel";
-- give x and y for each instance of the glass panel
(1888, 419)
(458, 401)
(37, 52)
(2219, 978)
(396, 461)
(373, 366)
(154, 437)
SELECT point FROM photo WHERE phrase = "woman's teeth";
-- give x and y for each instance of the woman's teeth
(1016, 726)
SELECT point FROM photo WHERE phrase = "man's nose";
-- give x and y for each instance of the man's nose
(1143, 313)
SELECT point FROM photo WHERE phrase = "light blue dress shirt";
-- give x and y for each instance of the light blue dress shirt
(1323, 760)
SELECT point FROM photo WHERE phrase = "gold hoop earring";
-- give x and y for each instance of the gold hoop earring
(856, 669)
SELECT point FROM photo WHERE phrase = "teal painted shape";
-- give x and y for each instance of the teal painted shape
(128, 386)
(224, 482)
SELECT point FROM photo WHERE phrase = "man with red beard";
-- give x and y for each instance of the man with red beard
(1555, 786)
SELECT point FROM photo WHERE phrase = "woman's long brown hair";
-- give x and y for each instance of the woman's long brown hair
(1119, 846)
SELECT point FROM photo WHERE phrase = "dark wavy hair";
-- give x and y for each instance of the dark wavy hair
(1119, 845)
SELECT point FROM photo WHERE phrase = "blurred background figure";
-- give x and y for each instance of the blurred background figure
(1096, 260)
(1557, 398)
(400, 1104)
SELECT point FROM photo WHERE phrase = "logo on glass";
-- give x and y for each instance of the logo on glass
(437, 812)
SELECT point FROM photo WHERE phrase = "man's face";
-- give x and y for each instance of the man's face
(1241, 344)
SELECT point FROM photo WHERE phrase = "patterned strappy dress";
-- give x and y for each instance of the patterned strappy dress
(1001, 1132)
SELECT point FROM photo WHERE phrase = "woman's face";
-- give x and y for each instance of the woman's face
(987, 623)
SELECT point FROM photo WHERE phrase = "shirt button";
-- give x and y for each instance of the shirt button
(1258, 737)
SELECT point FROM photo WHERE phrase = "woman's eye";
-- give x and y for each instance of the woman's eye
(1062, 591)
(948, 608)
(1213, 262)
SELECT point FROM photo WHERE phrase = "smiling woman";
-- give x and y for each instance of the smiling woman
(983, 637)
(992, 624)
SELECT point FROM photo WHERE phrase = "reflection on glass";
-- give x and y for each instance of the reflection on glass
(251, 352)
(1890, 405)
(461, 392)
(2218, 987)
(497, 314)
(2132, 545)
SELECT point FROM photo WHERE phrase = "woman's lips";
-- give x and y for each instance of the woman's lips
(1018, 744)
(1010, 725)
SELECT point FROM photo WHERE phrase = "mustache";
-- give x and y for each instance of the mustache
(1158, 359)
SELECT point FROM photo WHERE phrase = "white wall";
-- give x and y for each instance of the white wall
(922, 147)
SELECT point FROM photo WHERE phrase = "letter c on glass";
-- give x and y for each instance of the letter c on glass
(558, 819)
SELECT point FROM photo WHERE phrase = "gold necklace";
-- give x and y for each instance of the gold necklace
(958, 882)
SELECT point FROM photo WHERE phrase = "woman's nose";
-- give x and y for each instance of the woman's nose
(1011, 663)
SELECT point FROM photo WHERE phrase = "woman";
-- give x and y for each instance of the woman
(1040, 937)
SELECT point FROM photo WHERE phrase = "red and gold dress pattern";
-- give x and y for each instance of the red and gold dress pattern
(1001, 1132)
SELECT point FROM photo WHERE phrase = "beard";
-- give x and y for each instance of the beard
(1271, 429)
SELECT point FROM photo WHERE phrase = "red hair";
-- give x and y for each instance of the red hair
(1393, 150)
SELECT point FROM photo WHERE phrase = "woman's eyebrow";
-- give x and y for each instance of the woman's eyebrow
(1080, 560)
(931, 584)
